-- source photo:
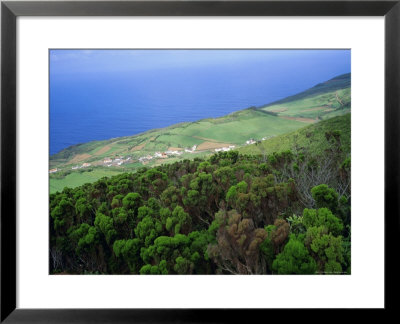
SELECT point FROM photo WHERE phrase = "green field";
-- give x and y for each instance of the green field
(235, 128)
(76, 179)
(312, 137)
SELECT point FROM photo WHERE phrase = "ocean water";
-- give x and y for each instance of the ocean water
(103, 104)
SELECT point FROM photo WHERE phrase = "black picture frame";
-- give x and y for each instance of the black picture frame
(10, 10)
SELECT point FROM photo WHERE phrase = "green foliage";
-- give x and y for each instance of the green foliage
(346, 247)
(170, 196)
(129, 251)
(182, 266)
(161, 268)
(83, 208)
(326, 248)
(296, 223)
(120, 215)
(322, 217)
(225, 177)
(84, 237)
(117, 201)
(132, 201)
(204, 167)
(325, 197)
(181, 220)
(62, 213)
(295, 258)
(267, 250)
(242, 187)
(105, 225)
(231, 195)
(147, 230)
(144, 211)
(146, 269)
(346, 165)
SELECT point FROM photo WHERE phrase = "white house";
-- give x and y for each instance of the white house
(250, 141)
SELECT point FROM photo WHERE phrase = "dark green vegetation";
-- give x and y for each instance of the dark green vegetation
(325, 100)
(281, 212)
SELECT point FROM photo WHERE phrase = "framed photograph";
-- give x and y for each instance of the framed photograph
(163, 158)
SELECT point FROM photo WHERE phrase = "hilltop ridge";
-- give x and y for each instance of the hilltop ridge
(339, 82)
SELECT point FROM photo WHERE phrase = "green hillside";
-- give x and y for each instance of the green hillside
(86, 162)
(207, 134)
(325, 100)
(233, 129)
(312, 137)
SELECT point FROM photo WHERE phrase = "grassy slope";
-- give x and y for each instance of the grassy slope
(325, 100)
(312, 137)
(76, 179)
(234, 129)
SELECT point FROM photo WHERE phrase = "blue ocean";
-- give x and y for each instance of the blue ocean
(97, 95)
